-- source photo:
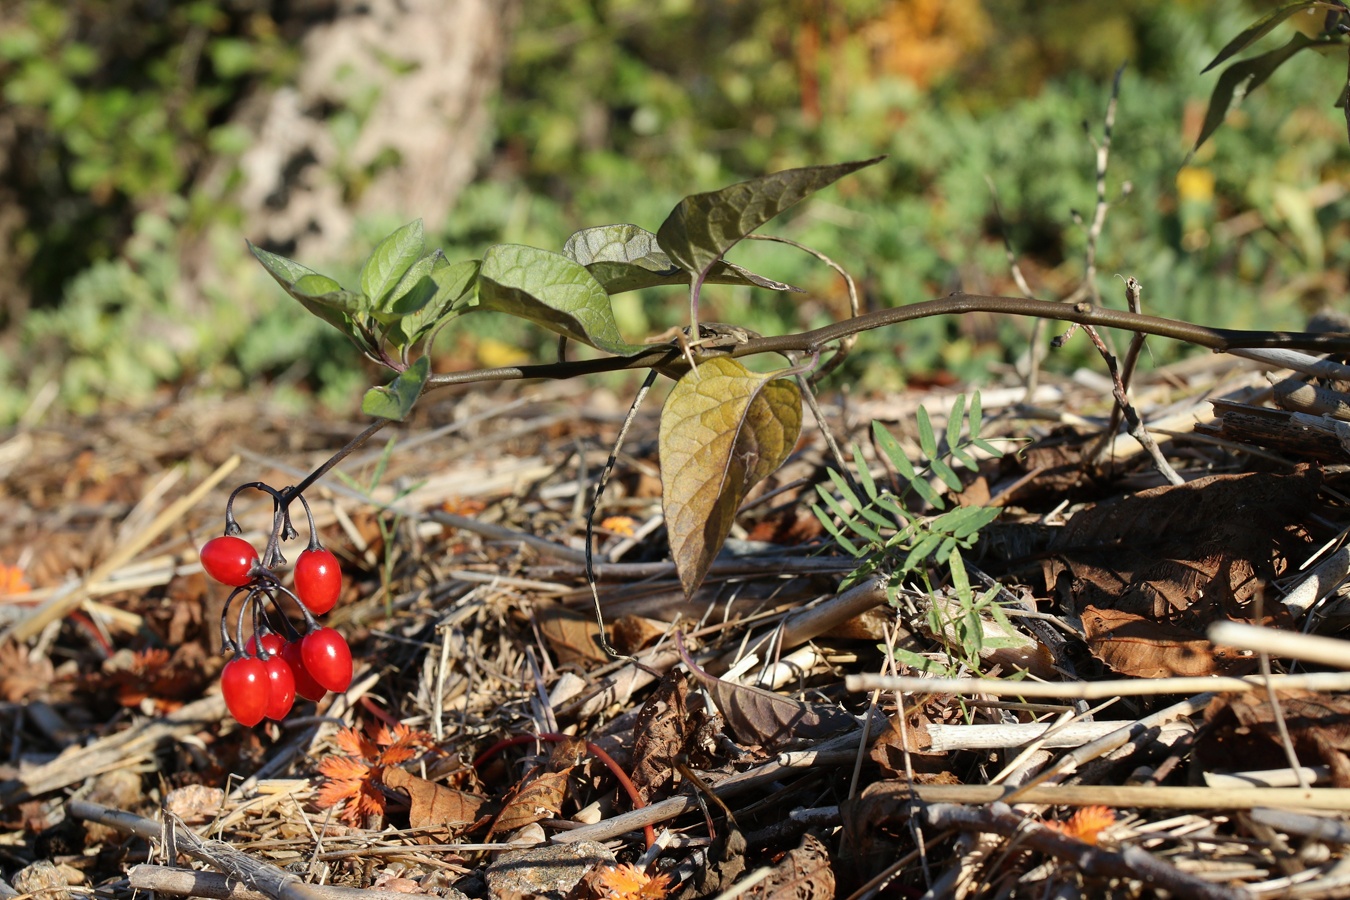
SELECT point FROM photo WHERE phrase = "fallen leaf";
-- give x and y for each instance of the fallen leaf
(666, 731)
(573, 636)
(435, 806)
(758, 717)
(1241, 731)
(541, 799)
(802, 873)
(1132, 645)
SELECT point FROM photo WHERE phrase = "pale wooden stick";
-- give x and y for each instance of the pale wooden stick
(1140, 796)
(63, 602)
(1098, 690)
(1307, 647)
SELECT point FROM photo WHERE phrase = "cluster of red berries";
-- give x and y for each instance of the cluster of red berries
(267, 671)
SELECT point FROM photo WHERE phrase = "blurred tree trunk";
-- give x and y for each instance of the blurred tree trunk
(388, 113)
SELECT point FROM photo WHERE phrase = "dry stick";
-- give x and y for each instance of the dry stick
(266, 880)
(1132, 291)
(1130, 862)
(1139, 796)
(1098, 690)
(62, 603)
(1136, 426)
(1307, 647)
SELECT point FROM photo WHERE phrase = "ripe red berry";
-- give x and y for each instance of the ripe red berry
(229, 560)
(328, 658)
(318, 579)
(281, 687)
(245, 685)
(271, 642)
(305, 685)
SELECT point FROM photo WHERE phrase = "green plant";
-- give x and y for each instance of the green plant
(879, 529)
(966, 624)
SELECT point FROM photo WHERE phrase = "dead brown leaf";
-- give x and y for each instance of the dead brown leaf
(1242, 728)
(541, 799)
(762, 718)
(667, 729)
(573, 636)
(802, 873)
(22, 675)
(1179, 558)
(435, 806)
(1132, 645)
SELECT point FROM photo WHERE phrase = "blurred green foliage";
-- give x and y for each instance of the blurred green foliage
(611, 110)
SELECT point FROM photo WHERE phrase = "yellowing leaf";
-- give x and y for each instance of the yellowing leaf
(723, 430)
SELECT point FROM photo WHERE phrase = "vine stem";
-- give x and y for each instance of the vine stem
(669, 356)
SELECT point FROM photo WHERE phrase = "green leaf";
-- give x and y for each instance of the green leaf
(927, 438)
(894, 452)
(1257, 30)
(317, 293)
(553, 291)
(703, 227)
(285, 271)
(627, 258)
(723, 430)
(452, 284)
(945, 473)
(955, 419)
(964, 521)
(395, 400)
(1239, 80)
(960, 580)
(976, 415)
(987, 447)
(827, 522)
(390, 261)
(864, 475)
(414, 290)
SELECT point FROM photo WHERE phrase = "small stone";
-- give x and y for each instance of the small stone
(549, 872)
(44, 881)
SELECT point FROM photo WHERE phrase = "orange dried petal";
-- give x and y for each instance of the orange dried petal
(622, 525)
(353, 743)
(628, 882)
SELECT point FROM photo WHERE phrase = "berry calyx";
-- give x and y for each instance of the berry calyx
(328, 658)
(244, 683)
(281, 687)
(229, 560)
(318, 579)
(305, 685)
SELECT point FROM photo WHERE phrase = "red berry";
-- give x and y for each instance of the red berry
(318, 579)
(229, 560)
(328, 658)
(281, 687)
(271, 642)
(244, 683)
(305, 685)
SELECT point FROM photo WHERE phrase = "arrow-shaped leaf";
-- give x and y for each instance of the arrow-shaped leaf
(1259, 29)
(395, 400)
(553, 291)
(390, 260)
(703, 227)
(627, 258)
(1240, 79)
(723, 430)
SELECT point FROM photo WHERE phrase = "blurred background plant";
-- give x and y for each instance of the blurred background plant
(131, 139)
